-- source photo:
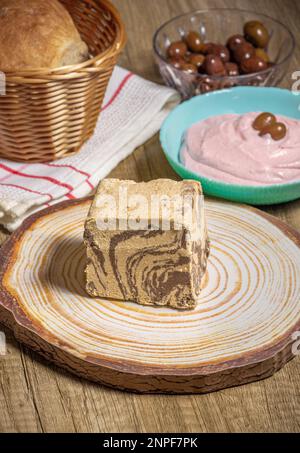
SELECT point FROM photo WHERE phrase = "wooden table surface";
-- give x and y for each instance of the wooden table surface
(35, 396)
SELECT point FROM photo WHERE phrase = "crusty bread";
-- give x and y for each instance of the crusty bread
(38, 34)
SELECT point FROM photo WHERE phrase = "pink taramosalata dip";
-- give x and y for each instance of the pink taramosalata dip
(228, 149)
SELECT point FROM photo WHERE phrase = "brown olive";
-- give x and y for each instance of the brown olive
(177, 62)
(194, 41)
(264, 120)
(190, 68)
(222, 52)
(256, 33)
(243, 52)
(232, 69)
(253, 64)
(196, 59)
(207, 85)
(235, 41)
(225, 84)
(208, 48)
(177, 49)
(277, 131)
(206, 88)
(213, 65)
(261, 53)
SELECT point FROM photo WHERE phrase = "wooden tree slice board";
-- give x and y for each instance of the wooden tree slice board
(240, 332)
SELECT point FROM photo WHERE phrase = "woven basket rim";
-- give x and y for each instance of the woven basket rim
(31, 75)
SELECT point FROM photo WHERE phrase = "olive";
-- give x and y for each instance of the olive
(256, 33)
(177, 49)
(189, 67)
(219, 50)
(206, 88)
(261, 53)
(232, 69)
(225, 84)
(194, 41)
(207, 85)
(222, 52)
(235, 41)
(277, 131)
(253, 64)
(213, 65)
(177, 62)
(208, 48)
(264, 120)
(243, 52)
(196, 59)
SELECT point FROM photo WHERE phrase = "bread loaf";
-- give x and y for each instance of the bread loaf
(38, 34)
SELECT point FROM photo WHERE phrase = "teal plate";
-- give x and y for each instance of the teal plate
(236, 100)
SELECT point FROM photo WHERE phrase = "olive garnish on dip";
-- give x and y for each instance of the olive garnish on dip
(277, 131)
(266, 123)
(264, 120)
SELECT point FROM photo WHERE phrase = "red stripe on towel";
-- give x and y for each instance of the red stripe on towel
(28, 190)
(118, 91)
(75, 169)
(46, 178)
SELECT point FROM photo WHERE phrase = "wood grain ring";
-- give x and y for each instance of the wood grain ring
(241, 332)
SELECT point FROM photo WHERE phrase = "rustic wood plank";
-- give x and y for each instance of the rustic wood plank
(273, 405)
(17, 402)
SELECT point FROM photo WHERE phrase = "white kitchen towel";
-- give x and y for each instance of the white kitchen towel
(132, 112)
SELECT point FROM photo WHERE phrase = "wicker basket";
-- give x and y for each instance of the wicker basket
(49, 114)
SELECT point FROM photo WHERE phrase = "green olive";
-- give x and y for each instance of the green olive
(261, 53)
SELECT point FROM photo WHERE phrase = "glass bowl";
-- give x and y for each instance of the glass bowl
(217, 25)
